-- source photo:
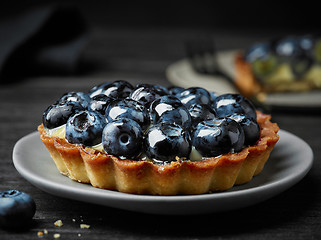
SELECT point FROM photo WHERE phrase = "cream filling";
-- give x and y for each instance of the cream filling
(284, 73)
(60, 132)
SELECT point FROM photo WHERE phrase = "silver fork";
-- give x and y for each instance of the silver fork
(202, 56)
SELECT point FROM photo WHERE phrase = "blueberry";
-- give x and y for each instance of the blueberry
(297, 52)
(262, 58)
(288, 47)
(57, 114)
(173, 90)
(170, 109)
(165, 142)
(16, 209)
(228, 104)
(161, 90)
(194, 95)
(307, 43)
(144, 94)
(85, 128)
(117, 89)
(213, 96)
(163, 104)
(82, 98)
(99, 103)
(219, 136)
(250, 127)
(94, 91)
(258, 51)
(300, 64)
(201, 112)
(128, 108)
(123, 138)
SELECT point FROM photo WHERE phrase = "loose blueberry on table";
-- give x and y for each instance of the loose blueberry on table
(16, 209)
(153, 123)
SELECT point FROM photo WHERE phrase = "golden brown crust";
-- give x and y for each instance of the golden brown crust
(179, 177)
(244, 78)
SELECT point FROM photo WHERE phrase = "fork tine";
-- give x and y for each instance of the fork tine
(201, 54)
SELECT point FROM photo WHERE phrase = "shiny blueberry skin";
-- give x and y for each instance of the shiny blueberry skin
(162, 105)
(306, 43)
(213, 95)
(194, 95)
(179, 116)
(82, 98)
(166, 141)
(250, 127)
(201, 112)
(296, 51)
(85, 128)
(16, 209)
(117, 89)
(95, 88)
(161, 90)
(128, 108)
(258, 51)
(228, 104)
(99, 103)
(145, 94)
(58, 114)
(215, 137)
(173, 90)
(170, 109)
(123, 138)
(288, 47)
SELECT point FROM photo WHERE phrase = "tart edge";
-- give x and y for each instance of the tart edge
(86, 165)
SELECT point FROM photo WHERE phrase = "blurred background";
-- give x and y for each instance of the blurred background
(213, 14)
(148, 23)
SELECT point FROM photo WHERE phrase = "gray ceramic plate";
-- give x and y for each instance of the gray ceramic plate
(290, 161)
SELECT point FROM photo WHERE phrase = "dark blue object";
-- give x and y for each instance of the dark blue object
(163, 105)
(16, 209)
(164, 142)
(250, 127)
(194, 95)
(128, 108)
(173, 90)
(58, 114)
(228, 104)
(123, 138)
(85, 128)
(258, 51)
(82, 98)
(215, 137)
(117, 89)
(99, 103)
(145, 94)
(201, 112)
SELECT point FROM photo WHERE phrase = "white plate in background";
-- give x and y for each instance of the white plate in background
(181, 73)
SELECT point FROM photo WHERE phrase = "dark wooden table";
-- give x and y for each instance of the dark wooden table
(142, 55)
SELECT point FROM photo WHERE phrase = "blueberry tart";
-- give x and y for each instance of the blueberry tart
(287, 64)
(147, 139)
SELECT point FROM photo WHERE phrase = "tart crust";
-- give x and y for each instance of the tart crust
(101, 170)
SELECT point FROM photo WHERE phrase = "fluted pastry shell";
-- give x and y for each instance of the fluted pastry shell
(86, 165)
